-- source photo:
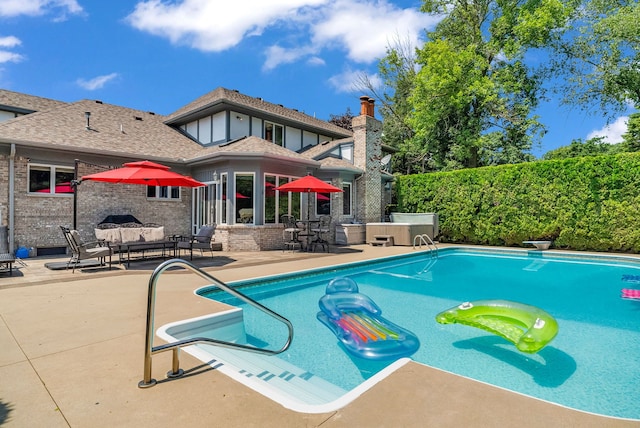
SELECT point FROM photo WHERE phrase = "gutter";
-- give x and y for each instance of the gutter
(11, 213)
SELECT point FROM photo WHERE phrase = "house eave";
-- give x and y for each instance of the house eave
(229, 156)
(93, 152)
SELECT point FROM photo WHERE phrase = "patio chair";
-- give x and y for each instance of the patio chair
(201, 241)
(290, 232)
(246, 215)
(322, 232)
(85, 250)
(7, 258)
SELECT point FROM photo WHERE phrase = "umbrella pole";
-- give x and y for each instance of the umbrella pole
(74, 185)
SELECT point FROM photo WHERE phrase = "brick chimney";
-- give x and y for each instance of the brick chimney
(367, 106)
(364, 105)
(367, 152)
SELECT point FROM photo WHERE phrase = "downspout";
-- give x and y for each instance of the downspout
(11, 216)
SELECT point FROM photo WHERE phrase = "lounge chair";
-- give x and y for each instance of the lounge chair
(201, 241)
(7, 258)
(85, 250)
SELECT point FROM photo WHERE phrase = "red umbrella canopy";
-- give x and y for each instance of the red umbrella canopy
(146, 173)
(308, 184)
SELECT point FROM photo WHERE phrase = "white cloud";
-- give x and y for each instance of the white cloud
(350, 81)
(316, 61)
(9, 42)
(7, 56)
(215, 26)
(38, 7)
(362, 28)
(96, 82)
(612, 133)
(365, 29)
(277, 55)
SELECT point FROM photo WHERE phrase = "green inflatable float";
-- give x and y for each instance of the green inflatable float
(527, 327)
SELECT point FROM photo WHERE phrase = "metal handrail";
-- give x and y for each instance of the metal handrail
(150, 350)
(426, 240)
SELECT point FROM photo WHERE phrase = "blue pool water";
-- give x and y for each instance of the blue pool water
(593, 364)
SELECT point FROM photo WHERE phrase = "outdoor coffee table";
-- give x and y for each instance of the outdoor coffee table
(141, 247)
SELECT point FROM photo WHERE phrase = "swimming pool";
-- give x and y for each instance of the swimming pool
(592, 364)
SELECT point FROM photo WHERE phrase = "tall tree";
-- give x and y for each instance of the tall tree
(599, 57)
(631, 138)
(591, 147)
(342, 120)
(474, 94)
(396, 72)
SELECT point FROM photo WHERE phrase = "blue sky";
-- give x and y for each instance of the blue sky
(160, 55)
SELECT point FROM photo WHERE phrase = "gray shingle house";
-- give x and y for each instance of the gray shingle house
(241, 147)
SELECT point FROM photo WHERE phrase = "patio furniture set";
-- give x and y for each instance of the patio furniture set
(133, 240)
(305, 235)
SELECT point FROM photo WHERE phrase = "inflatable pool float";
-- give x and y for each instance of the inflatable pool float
(357, 322)
(527, 327)
(631, 294)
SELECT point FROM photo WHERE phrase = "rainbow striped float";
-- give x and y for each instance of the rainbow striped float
(357, 322)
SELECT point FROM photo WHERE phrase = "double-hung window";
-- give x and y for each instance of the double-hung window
(347, 199)
(163, 192)
(274, 133)
(50, 179)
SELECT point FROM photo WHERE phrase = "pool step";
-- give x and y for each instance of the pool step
(299, 384)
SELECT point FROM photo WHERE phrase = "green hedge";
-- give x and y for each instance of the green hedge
(589, 203)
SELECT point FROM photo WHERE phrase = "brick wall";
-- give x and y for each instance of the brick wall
(250, 238)
(38, 217)
(367, 153)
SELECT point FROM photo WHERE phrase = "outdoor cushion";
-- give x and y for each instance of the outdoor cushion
(150, 234)
(123, 235)
(110, 235)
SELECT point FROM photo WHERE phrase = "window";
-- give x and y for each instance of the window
(50, 179)
(244, 198)
(163, 192)
(323, 203)
(274, 133)
(278, 203)
(347, 205)
(271, 214)
(223, 194)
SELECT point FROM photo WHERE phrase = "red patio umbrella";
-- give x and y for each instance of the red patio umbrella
(141, 172)
(238, 196)
(308, 184)
(146, 173)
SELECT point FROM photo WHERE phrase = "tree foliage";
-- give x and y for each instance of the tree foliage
(474, 95)
(591, 147)
(586, 203)
(342, 120)
(631, 139)
(397, 71)
(599, 57)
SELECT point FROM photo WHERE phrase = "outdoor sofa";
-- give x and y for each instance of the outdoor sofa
(126, 235)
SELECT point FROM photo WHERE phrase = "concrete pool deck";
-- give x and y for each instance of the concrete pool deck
(72, 346)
